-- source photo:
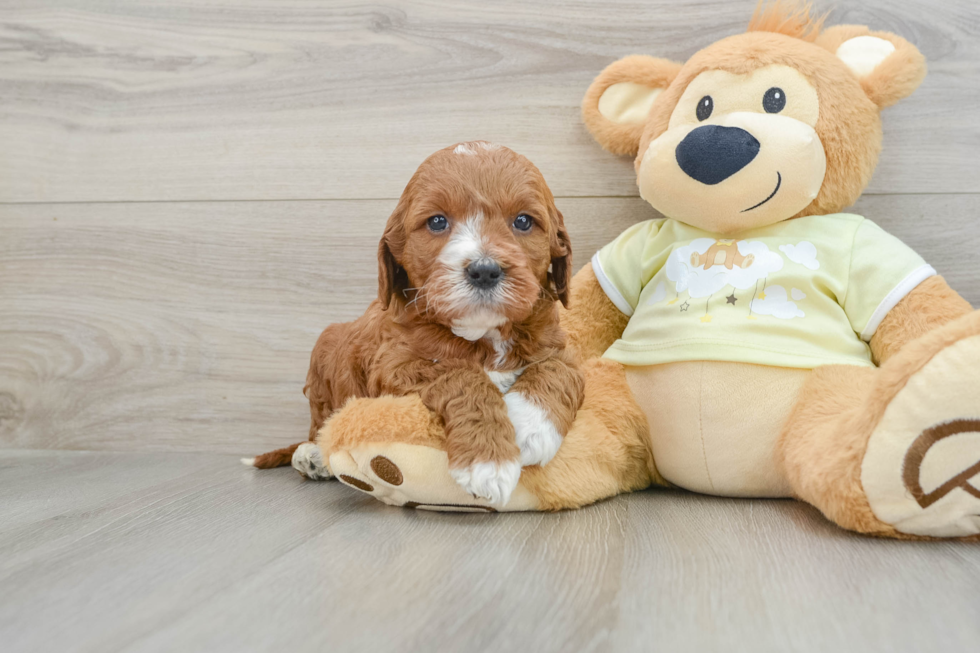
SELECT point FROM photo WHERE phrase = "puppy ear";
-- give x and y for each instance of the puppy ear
(392, 279)
(888, 67)
(561, 257)
(616, 106)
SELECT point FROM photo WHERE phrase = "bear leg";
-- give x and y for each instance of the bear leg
(894, 451)
(393, 448)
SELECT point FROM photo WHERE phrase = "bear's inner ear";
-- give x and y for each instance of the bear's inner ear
(627, 102)
(616, 106)
(888, 67)
(863, 54)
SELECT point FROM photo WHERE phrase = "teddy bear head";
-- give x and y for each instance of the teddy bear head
(780, 122)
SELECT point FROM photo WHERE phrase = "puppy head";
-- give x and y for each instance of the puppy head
(472, 239)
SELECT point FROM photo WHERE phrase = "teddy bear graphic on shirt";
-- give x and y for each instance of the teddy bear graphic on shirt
(706, 267)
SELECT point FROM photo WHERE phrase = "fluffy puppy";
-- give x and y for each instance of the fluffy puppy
(471, 266)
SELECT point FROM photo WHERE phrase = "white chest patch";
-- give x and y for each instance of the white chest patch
(478, 324)
(504, 380)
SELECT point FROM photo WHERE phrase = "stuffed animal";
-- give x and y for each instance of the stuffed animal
(755, 342)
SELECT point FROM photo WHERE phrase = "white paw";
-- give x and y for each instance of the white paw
(308, 461)
(537, 437)
(491, 481)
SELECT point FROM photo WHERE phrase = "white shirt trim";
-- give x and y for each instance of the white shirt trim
(905, 286)
(609, 288)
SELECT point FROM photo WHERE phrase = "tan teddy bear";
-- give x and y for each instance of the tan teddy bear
(756, 342)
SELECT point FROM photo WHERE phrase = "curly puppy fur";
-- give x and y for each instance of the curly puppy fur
(431, 332)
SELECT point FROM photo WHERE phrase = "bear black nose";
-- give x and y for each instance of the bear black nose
(712, 153)
(484, 273)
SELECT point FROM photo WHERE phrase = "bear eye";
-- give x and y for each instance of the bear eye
(705, 106)
(774, 100)
(523, 222)
(437, 223)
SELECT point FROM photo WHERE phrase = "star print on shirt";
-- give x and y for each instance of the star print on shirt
(731, 299)
(685, 306)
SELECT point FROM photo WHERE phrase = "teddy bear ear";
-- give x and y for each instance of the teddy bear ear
(616, 106)
(888, 67)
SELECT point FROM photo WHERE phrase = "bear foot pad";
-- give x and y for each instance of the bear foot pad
(921, 470)
(414, 476)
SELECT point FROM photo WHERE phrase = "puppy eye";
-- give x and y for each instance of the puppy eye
(774, 100)
(437, 223)
(523, 222)
(705, 106)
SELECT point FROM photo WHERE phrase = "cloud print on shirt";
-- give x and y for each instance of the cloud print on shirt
(703, 283)
(777, 304)
(804, 253)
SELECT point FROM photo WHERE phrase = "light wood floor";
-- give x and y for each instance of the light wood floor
(194, 552)
(191, 190)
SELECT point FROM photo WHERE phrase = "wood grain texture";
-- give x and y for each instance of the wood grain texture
(188, 326)
(233, 99)
(199, 553)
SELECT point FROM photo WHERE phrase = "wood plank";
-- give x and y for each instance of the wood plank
(776, 576)
(691, 573)
(38, 504)
(219, 557)
(188, 326)
(225, 99)
(123, 556)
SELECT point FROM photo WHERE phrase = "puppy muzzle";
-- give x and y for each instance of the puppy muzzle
(484, 274)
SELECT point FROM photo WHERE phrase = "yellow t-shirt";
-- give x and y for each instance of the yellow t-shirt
(800, 293)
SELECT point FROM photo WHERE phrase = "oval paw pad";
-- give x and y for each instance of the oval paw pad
(386, 470)
(356, 483)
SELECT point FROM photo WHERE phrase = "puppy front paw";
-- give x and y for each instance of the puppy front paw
(489, 480)
(537, 437)
(308, 461)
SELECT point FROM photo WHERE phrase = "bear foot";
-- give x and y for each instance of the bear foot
(416, 476)
(921, 469)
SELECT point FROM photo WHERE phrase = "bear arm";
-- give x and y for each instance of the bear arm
(592, 321)
(930, 305)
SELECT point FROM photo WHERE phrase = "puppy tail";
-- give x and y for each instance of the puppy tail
(277, 458)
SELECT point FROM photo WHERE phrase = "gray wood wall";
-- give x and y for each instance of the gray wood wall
(190, 191)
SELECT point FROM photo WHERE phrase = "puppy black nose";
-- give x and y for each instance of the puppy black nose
(711, 154)
(484, 273)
